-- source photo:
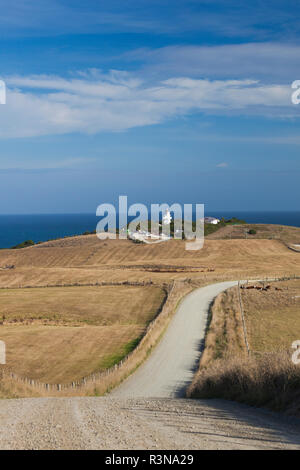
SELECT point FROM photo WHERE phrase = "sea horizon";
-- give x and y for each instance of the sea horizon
(16, 228)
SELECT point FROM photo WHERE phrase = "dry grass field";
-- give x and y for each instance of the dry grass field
(57, 335)
(57, 354)
(83, 319)
(288, 235)
(273, 316)
(268, 376)
(86, 259)
(224, 337)
(74, 306)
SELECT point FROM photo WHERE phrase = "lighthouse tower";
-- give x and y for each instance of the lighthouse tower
(166, 220)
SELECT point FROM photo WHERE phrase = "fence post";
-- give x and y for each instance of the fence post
(243, 318)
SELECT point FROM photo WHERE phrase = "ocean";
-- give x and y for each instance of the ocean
(15, 229)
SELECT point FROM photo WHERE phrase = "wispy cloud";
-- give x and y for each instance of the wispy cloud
(261, 139)
(267, 61)
(47, 166)
(222, 165)
(41, 105)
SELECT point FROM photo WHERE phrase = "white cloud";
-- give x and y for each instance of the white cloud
(270, 61)
(61, 164)
(41, 105)
(222, 165)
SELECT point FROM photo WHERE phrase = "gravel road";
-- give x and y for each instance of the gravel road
(132, 418)
(172, 364)
(140, 423)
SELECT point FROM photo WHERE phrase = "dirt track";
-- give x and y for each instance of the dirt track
(106, 423)
(124, 421)
(172, 364)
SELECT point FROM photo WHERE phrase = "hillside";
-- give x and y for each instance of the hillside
(288, 235)
(104, 293)
(86, 259)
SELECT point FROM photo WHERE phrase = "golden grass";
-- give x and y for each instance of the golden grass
(58, 335)
(273, 317)
(269, 379)
(91, 305)
(224, 337)
(85, 261)
(286, 234)
(272, 381)
(17, 388)
(10, 388)
(59, 354)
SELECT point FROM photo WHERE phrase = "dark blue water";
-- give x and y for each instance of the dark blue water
(15, 229)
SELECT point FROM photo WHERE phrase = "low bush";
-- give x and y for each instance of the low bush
(271, 380)
(23, 244)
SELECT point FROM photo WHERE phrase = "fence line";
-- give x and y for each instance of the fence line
(265, 280)
(243, 318)
(94, 377)
(89, 284)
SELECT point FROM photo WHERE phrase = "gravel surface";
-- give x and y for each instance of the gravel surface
(107, 423)
(172, 364)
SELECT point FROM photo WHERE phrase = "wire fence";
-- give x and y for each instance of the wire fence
(101, 375)
(164, 311)
(264, 280)
(243, 318)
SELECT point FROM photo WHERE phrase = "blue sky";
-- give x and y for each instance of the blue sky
(182, 101)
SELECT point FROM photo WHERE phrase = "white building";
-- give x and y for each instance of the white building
(211, 220)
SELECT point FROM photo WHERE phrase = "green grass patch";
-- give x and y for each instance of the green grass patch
(113, 359)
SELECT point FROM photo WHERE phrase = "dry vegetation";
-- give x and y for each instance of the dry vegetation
(86, 259)
(92, 324)
(57, 335)
(65, 354)
(288, 235)
(224, 338)
(272, 381)
(75, 306)
(15, 388)
(272, 316)
(268, 376)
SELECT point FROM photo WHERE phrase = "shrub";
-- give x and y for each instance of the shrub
(23, 244)
(271, 380)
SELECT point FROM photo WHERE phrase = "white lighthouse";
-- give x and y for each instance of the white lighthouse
(167, 218)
